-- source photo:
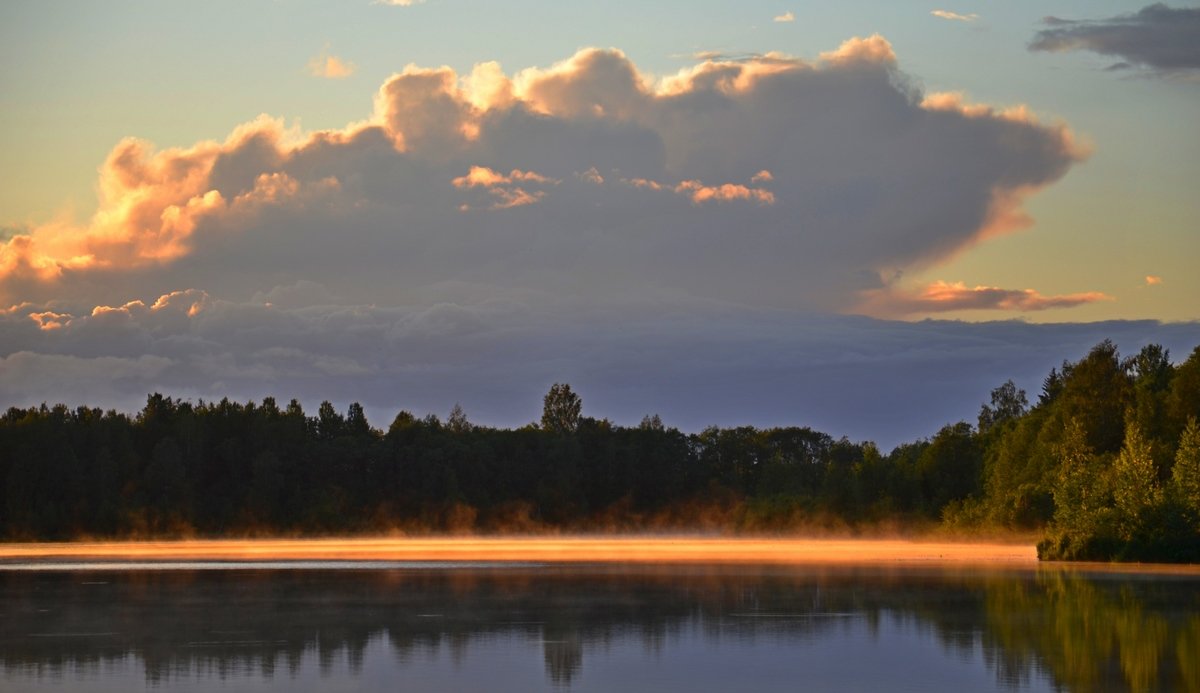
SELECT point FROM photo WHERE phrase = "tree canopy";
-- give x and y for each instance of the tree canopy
(1106, 463)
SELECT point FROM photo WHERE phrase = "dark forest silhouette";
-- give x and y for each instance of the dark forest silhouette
(1106, 463)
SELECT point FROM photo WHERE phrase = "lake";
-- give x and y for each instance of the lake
(313, 625)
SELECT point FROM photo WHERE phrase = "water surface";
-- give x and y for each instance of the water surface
(330, 626)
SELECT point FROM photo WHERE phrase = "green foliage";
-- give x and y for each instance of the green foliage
(457, 420)
(1095, 393)
(1082, 527)
(1107, 464)
(1185, 477)
(560, 409)
(1123, 512)
(1135, 486)
(1008, 404)
(950, 466)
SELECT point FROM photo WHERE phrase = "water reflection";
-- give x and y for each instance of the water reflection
(1021, 629)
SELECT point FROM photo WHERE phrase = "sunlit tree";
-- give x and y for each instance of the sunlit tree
(1008, 404)
(1185, 476)
(1135, 481)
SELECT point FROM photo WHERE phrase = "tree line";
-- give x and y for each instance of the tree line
(1106, 463)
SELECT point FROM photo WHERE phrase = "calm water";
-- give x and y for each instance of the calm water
(390, 627)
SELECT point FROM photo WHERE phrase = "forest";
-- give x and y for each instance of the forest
(1104, 465)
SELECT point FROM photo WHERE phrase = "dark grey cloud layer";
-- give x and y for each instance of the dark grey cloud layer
(1163, 38)
(696, 364)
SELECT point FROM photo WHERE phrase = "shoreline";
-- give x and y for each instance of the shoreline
(537, 549)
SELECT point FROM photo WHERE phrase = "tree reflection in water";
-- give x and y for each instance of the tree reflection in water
(1082, 631)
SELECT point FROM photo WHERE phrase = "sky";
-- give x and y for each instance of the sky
(858, 216)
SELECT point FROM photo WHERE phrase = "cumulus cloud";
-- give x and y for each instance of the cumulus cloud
(329, 66)
(1153, 280)
(785, 17)
(1158, 37)
(767, 181)
(510, 189)
(941, 297)
(954, 16)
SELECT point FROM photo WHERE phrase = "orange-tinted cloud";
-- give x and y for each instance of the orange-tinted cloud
(700, 193)
(1153, 280)
(330, 66)
(593, 83)
(726, 192)
(872, 49)
(785, 17)
(819, 175)
(942, 297)
(505, 187)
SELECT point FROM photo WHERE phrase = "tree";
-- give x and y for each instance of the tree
(1052, 386)
(330, 424)
(1185, 476)
(1082, 500)
(1183, 399)
(457, 421)
(1151, 367)
(356, 421)
(950, 468)
(560, 409)
(1008, 404)
(651, 422)
(1096, 393)
(1079, 494)
(165, 476)
(1135, 482)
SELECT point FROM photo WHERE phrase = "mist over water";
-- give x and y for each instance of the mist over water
(588, 627)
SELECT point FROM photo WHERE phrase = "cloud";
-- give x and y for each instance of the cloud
(699, 193)
(872, 50)
(941, 297)
(694, 362)
(506, 188)
(954, 16)
(587, 178)
(785, 17)
(329, 66)
(398, 3)
(1158, 37)
(1153, 280)
(24, 376)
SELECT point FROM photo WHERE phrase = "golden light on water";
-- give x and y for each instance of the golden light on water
(535, 549)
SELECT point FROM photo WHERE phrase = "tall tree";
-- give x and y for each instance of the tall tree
(1185, 476)
(457, 421)
(1008, 404)
(560, 409)
(1135, 482)
(1080, 495)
